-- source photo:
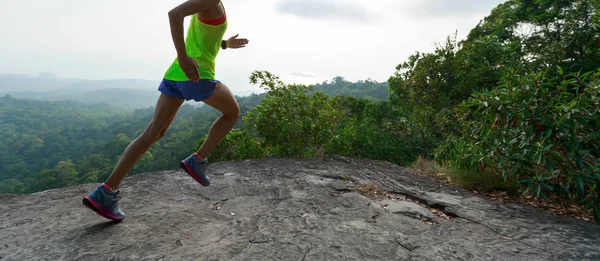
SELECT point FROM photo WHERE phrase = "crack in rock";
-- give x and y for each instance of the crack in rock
(422, 201)
(218, 205)
(374, 217)
(426, 220)
(344, 190)
(435, 207)
(407, 246)
(306, 254)
(441, 207)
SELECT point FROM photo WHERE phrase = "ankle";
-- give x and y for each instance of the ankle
(199, 156)
(109, 188)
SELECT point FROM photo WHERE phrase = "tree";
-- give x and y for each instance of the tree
(292, 122)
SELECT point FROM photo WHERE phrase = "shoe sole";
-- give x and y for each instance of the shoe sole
(186, 168)
(89, 204)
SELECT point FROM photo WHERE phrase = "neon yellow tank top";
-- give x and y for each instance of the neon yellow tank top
(202, 43)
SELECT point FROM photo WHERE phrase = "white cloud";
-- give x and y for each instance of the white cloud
(444, 9)
(341, 9)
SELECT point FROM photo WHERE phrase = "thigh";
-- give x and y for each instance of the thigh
(223, 100)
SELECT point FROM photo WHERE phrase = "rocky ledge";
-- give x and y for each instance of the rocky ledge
(289, 209)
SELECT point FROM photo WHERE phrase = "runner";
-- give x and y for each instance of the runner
(191, 76)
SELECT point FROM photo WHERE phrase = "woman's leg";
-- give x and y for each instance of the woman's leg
(165, 111)
(222, 99)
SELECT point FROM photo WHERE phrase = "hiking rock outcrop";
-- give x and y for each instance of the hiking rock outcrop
(289, 209)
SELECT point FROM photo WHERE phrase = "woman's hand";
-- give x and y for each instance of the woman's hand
(189, 67)
(234, 42)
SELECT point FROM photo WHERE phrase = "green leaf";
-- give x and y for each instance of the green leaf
(548, 132)
(579, 162)
(579, 182)
(547, 187)
(525, 180)
(538, 157)
(583, 152)
(597, 213)
(549, 166)
(554, 155)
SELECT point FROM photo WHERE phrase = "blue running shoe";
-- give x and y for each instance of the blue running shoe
(196, 168)
(105, 202)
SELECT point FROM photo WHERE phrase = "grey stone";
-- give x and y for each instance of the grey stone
(406, 207)
(286, 209)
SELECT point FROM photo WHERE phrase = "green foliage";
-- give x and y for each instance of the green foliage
(297, 121)
(541, 131)
(374, 130)
(237, 145)
(290, 120)
(62, 175)
(546, 33)
(38, 135)
(425, 86)
(498, 129)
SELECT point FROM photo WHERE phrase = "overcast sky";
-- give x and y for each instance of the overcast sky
(302, 41)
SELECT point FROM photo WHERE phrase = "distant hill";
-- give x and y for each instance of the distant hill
(139, 93)
(117, 92)
(367, 89)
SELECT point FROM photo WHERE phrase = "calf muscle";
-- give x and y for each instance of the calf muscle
(165, 111)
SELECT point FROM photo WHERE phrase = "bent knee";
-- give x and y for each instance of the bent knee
(235, 113)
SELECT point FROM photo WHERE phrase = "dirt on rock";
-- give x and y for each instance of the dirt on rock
(289, 209)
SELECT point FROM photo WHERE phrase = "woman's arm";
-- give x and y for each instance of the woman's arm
(176, 16)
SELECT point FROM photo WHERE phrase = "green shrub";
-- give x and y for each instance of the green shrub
(543, 132)
(237, 145)
(292, 122)
(374, 130)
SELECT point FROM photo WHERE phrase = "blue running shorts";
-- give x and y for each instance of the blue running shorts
(189, 90)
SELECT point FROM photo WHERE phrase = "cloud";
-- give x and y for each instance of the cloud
(446, 8)
(341, 9)
(303, 75)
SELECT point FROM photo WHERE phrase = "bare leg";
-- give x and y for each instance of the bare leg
(165, 111)
(222, 99)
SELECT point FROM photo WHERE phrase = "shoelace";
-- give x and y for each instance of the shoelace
(203, 164)
(115, 201)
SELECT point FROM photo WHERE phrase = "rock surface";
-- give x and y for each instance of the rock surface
(288, 209)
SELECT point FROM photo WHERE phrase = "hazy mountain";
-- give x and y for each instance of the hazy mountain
(124, 93)
(139, 93)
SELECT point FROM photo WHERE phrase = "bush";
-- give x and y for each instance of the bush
(374, 130)
(542, 132)
(237, 145)
(291, 122)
